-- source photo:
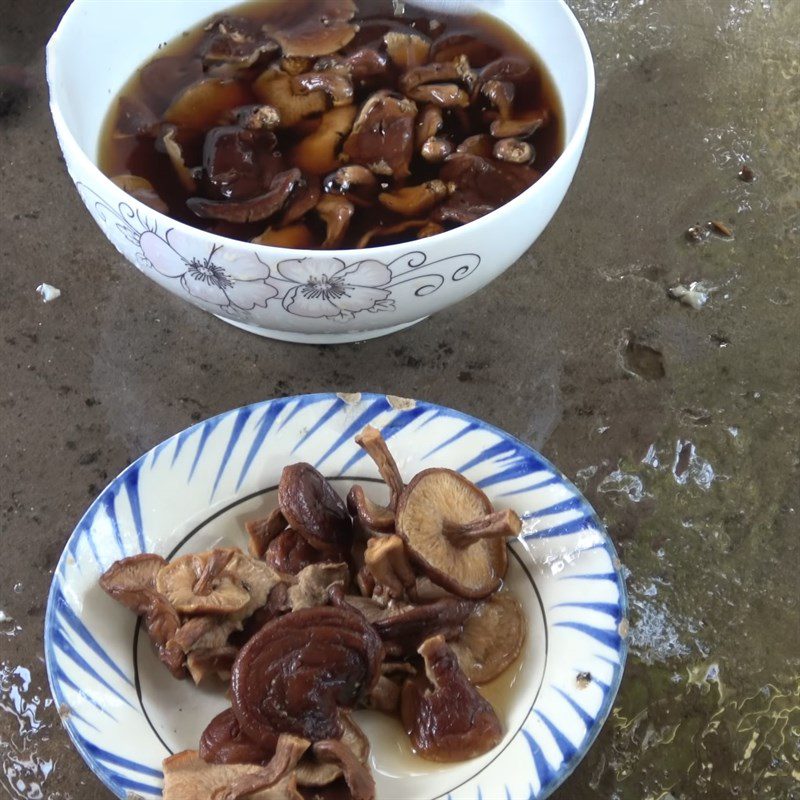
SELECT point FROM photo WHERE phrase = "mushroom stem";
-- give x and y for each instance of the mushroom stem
(371, 440)
(212, 569)
(498, 525)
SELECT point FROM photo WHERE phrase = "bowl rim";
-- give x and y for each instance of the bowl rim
(570, 153)
(569, 765)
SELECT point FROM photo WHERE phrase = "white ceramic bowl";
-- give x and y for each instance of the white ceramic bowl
(299, 295)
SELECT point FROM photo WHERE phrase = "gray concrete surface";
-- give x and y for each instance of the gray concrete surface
(687, 91)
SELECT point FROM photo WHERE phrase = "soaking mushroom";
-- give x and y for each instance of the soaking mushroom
(389, 233)
(173, 150)
(354, 182)
(429, 122)
(407, 49)
(274, 86)
(162, 78)
(411, 201)
(132, 582)
(236, 41)
(382, 138)
(443, 713)
(257, 208)
(313, 27)
(299, 669)
(142, 190)
(335, 83)
(491, 638)
(203, 103)
(452, 532)
(514, 151)
(318, 153)
(336, 213)
(303, 199)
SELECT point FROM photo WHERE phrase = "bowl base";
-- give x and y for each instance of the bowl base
(320, 338)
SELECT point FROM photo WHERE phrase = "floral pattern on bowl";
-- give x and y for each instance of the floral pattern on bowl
(234, 286)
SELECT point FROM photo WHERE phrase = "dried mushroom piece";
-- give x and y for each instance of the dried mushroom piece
(274, 86)
(254, 210)
(299, 669)
(189, 777)
(357, 776)
(382, 138)
(142, 190)
(387, 562)
(223, 742)
(202, 104)
(132, 582)
(491, 639)
(407, 49)
(263, 531)
(198, 583)
(314, 584)
(237, 41)
(312, 771)
(452, 533)
(211, 663)
(313, 508)
(404, 631)
(313, 27)
(336, 213)
(443, 713)
(318, 153)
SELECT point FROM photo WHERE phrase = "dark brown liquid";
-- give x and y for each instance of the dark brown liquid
(138, 155)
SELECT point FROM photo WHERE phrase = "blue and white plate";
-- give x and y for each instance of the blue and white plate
(125, 713)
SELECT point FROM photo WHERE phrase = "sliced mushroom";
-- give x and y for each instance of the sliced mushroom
(382, 138)
(239, 164)
(521, 127)
(132, 582)
(258, 117)
(188, 777)
(451, 45)
(274, 87)
(491, 639)
(173, 150)
(446, 95)
(436, 150)
(450, 530)
(314, 583)
(501, 95)
(508, 68)
(430, 73)
(387, 561)
(203, 103)
(313, 27)
(480, 144)
(253, 210)
(407, 49)
(356, 774)
(162, 78)
(142, 190)
(237, 41)
(312, 771)
(222, 742)
(403, 632)
(429, 123)
(390, 232)
(134, 118)
(303, 199)
(296, 236)
(313, 508)
(355, 182)
(198, 584)
(443, 713)
(263, 531)
(335, 83)
(513, 151)
(411, 201)
(216, 662)
(318, 153)
(336, 213)
(296, 672)
(371, 515)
